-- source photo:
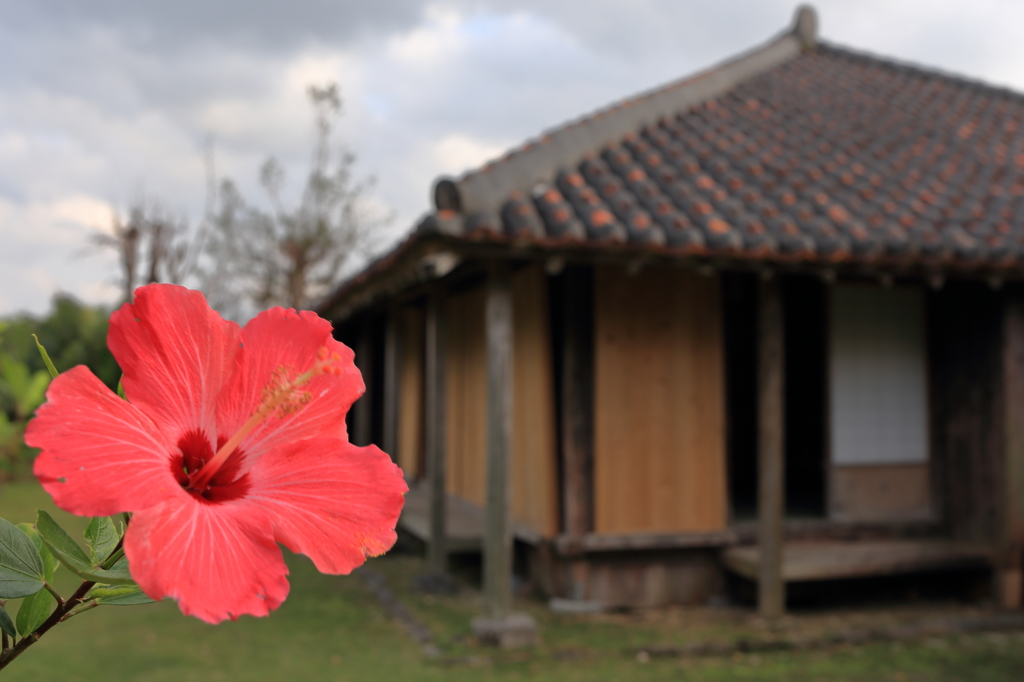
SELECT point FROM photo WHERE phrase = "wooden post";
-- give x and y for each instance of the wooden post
(577, 414)
(1010, 550)
(389, 439)
(498, 533)
(437, 551)
(771, 589)
(362, 426)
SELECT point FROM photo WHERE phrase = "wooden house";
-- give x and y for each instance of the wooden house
(766, 320)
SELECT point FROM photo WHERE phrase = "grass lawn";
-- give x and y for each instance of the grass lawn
(332, 628)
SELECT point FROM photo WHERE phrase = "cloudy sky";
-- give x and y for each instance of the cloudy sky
(106, 101)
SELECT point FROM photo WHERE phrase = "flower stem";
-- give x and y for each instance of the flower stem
(64, 610)
(114, 556)
(55, 593)
(57, 616)
(85, 607)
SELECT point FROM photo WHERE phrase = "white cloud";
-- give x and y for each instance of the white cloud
(455, 153)
(83, 210)
(428, 46)
(102, 102)
(45, 249)
(53, 223)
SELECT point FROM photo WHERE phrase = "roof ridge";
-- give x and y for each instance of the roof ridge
(487, 188)
(921, 70)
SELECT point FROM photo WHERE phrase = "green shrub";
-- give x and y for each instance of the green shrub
(73, 334)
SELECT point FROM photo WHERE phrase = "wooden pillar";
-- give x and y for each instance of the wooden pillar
(577, 414)
(771, 590)
(437, 551)
(498, 532)
(362, 426)
(389, 439)
(1010, 550)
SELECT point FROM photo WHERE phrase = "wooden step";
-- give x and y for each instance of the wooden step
(464, 524)
(805, 561)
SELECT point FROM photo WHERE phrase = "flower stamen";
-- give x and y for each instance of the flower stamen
(280, 395)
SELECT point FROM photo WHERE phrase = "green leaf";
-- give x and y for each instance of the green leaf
(7, 429)
(120, 387)
(34, 611)
(34, 393)
(21, 567)
(57, 539)
(72, 556)
(121, 566)
(46, 358)
(15, 374)
(6, 624)
(120, 595)
(50, 563)
(114, 559)
(102, 537)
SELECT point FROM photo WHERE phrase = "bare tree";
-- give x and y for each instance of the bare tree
(151, 244)
(243, 257)
(290, 255)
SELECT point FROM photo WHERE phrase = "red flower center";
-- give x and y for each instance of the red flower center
(226, 484)
(280, 395)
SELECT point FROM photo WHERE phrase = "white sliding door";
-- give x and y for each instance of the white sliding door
(878, 403)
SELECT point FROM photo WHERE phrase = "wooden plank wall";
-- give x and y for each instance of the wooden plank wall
(1013, 389)
(1010, 545)
(533, 464)
(410, 393)
(466, 396)
(534, 472)
(881, 492)
(659, 419)
(965, 335)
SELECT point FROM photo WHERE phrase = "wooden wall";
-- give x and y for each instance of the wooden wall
(881, 492)
(534, 466)
(659, 450)
(410, 392)
(466, 396)
(965, 344)
(533, 463)
(1013, 393)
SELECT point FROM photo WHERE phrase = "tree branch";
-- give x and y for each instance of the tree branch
(57, 616)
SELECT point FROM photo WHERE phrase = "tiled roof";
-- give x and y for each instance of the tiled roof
(796, 152)
(829, 156)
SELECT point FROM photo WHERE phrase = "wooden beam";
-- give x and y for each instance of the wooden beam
(577, 432)
(362, 425)
(437, 553)
(498, 535)
(1010, 553)
(576, 309)
(572, 546)
(771, 592)
(392, 357)
(809, 561)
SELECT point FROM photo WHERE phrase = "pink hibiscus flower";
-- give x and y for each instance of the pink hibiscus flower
(231, 440)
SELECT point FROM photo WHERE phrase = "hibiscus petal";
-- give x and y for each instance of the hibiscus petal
(284, 340)
(176, 353)
(100, 455)
(330, 500)
(217, 560)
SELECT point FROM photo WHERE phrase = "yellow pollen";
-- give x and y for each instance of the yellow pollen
(281, 385)
(281, 395)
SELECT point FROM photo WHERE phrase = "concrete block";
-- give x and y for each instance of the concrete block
(513, 631)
